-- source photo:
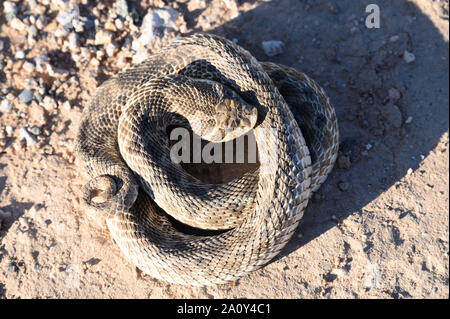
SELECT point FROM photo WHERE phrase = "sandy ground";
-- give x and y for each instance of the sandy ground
(378, 227)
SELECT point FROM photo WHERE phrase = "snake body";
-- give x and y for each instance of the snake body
(122, 143)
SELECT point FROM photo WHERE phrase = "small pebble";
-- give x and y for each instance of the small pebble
(9, 130)
(28, 67)
(122, 8)
(111, 49)
(272, 48)
(12, 268)
(6, 106)
(48, 149)
(26, 96)
(78, 26)
(409, 120)
(32, 31)
(408, 57)
(66, 105)
(394, 38)
(119, 24)
(9, 7)
(49, 103)
(103, 37)
(73, 41)
(100, 54)
(30, 83)
(17, 24)
(40, 22)
(29, 138)
(35, 130)
(24, 225)
(2, 45)
(20, 55)
(409, 171)
(343, 186)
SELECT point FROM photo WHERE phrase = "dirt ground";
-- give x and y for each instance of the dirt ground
(377, 228)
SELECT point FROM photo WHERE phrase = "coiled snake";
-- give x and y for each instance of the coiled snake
(219, 91)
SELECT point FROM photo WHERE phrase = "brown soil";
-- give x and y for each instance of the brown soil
(377, 228)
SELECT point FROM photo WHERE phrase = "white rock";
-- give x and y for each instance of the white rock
(408, 57)
(41, 62)
(28, 67)
(17, 24)
(49, 103)
(119, 24)
(66, 105)
(156, 24)
(65, 17)
(103, 37)
(372, 276)
(409, 120)
(111, 49)
(394, 38)
(20, 55)
(35, 130)
(9, 6)
(73, 41)
(29, 138)
(41, 22)
(55, 71)
(78, 25)
(140, 56)
(272, 48)
(2, 45)
(6, 106)
(9, 130)
(24, 225)
(32, 31)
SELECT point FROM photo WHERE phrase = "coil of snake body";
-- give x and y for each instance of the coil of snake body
(206, 79)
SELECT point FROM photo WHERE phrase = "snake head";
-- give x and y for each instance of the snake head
(234, 117)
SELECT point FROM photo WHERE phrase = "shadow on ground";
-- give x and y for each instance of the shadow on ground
(391, 113)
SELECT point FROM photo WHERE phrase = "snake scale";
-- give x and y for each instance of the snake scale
(219, 91)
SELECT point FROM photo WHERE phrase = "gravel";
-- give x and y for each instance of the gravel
(6, 106)
(273, 48)
(29, 138)
(103, 37)
(409, 57)
(26, 96)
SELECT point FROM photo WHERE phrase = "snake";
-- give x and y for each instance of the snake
(215, 89)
